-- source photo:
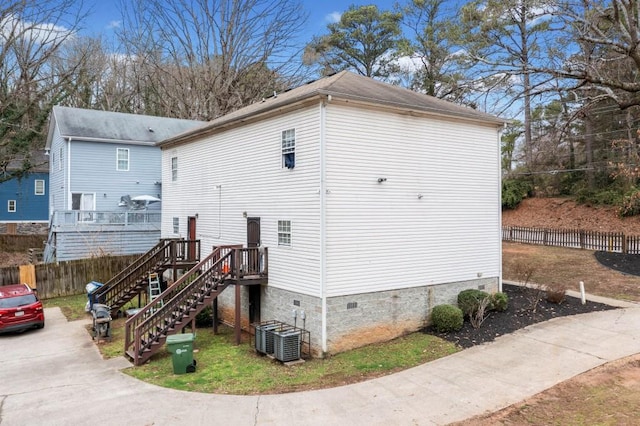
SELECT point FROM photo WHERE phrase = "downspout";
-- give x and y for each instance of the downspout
(500, 208)
(323, 227)
(68, 172)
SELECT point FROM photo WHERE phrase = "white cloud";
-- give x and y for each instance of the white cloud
(114, 24)
(333, 17)
(37, 33)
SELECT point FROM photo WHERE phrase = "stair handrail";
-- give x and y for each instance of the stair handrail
(132, 273)
(149, 317)
(165, 251)
(162, 244)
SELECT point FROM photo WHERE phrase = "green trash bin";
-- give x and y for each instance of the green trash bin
(181, 348)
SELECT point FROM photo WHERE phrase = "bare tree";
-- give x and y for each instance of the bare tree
(32, 33)
(201, 59)
(608, 62)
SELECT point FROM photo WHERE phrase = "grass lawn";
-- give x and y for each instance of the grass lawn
(224, 367)
(71, 306)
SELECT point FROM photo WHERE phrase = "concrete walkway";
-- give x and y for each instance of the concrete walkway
(56, 376)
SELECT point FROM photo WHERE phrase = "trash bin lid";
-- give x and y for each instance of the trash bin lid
(180, 338)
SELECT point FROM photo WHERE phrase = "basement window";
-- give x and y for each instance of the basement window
(289, 148)
(284, 232)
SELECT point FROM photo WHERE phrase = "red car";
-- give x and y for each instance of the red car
(20, 308)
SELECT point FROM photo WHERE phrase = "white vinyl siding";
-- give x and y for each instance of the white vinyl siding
(238, 171)
(432, 218)
(39, 187)
(122, 159)
(410, 201)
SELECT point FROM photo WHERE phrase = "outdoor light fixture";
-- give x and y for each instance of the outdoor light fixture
(380, 180)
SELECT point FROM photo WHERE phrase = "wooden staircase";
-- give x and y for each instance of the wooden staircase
(177, 307)
(133, 280)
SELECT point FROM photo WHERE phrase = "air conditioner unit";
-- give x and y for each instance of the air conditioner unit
(264, 338)
(287, 345)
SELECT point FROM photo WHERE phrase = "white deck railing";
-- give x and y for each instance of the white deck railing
(65, 218)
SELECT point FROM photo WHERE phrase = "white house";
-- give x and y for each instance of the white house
(376, 203)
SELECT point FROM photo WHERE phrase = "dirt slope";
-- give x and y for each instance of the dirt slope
(565, 213)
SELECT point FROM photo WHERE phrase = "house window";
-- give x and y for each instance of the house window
(123, 159)
(174, 169)
(289, 148)
(176, 225)
(11, 206)
(39, 186)
(60, 159)
(284, 232)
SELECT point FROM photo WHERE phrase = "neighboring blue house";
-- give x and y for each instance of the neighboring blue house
(24, 201)
(99, 163)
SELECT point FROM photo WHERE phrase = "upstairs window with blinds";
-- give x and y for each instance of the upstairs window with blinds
(289, 148)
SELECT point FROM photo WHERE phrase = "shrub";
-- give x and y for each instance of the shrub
(480, 314)
(469, 300)
(555, 293)
(499, 302)
(446, 318)
(205, 317)
(513, 192)
(630, 205)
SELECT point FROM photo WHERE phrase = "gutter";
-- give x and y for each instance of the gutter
(114, 141)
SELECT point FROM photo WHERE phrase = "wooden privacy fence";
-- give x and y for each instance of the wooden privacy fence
(573, 238)
(69, 278)
(16, 243)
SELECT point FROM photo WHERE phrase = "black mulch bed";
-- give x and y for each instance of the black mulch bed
(518, 315)
(625, 263)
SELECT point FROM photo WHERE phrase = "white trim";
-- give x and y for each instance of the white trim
(118, 150)
(172, 169)
(499, 207)
(15, 206)
(67, 171)
(323, 228)
(24, 221)
(35, 187)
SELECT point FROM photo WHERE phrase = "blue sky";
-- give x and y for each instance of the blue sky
(105, 13)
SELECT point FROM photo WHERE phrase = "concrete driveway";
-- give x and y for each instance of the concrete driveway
(56, 376)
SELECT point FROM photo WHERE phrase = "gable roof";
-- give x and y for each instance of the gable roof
(348, 86)
(115, 127)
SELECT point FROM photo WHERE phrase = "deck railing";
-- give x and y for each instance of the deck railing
(167, 252)
(157, 317)
(62, 218)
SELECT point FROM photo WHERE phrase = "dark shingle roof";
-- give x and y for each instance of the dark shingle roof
(349, 86)
(116, 127)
